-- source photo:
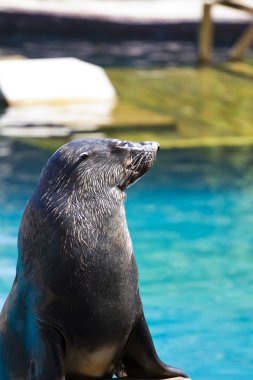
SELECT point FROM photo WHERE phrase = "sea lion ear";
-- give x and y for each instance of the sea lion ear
(84, 155)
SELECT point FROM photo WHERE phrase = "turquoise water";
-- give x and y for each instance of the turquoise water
(191, 222)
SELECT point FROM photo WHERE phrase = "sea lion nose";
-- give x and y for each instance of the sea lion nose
(153, 144)
(147, 145)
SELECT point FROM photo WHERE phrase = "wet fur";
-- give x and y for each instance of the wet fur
(74, 310)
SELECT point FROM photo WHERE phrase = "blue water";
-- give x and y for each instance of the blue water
(191, 221)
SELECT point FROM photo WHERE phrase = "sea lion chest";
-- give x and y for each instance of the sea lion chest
(85, 273)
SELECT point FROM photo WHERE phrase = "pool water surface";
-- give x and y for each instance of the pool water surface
(191, 220)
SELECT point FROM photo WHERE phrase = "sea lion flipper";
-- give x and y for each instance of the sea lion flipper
(47, 354)
(140, 359)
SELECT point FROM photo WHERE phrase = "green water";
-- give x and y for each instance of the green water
(191, 221)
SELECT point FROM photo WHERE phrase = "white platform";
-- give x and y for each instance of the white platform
(53, 81)
(55, 120)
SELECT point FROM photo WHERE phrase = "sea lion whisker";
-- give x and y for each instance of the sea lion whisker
(136, 158)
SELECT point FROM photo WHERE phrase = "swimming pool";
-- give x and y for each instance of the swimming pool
(191, 223)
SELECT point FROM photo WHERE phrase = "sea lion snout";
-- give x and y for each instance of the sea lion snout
(151, 145)
(138, 146)
(139, 158)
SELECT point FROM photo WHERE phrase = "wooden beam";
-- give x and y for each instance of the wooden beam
(206, 35)
(232, 4)
(206, 32)
(238, 50)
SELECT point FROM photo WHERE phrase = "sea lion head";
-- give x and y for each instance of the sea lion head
(92, 165)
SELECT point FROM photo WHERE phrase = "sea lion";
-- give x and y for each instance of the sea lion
(74, 310)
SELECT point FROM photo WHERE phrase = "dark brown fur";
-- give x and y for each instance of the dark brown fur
(74, 310)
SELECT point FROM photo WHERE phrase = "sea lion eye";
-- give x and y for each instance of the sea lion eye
(122, 145)
(84, 155)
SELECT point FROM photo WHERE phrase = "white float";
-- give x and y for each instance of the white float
(53, 81)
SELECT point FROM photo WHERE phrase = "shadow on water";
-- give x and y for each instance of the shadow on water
(108, 41)
(134, 53)
(234, 72)
(107, 54)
